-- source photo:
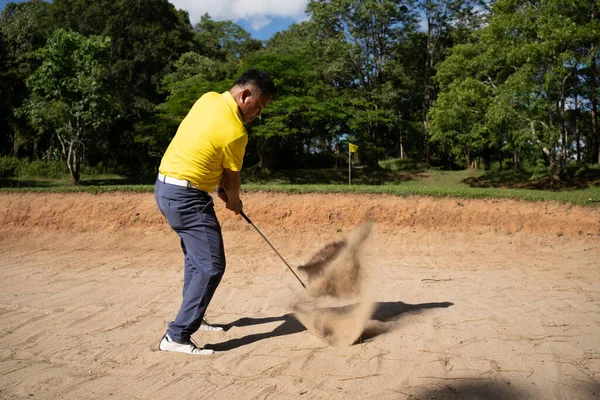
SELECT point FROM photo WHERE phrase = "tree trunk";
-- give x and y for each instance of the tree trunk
(426, 104)
(487, 160)
(436, 21)
(560, 162)
(35, 147)
(594, 98)
(16, 140)
(427, 97)
(74, 161)
(552, 160)
(577, 132)
(401, 146)
(260, 152)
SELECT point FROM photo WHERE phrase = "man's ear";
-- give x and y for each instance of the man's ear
(245, 94)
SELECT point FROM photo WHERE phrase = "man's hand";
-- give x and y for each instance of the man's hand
(235, 206)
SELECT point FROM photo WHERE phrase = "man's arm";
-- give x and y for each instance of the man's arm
(231, 182)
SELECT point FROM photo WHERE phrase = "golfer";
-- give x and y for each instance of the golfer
(206, 153)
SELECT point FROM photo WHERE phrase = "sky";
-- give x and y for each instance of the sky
(262, 18)
(3, 4)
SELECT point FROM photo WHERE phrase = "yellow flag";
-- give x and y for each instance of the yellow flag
(353, 147)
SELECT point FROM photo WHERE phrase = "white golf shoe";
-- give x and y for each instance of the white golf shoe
(167, 344)
(205, 326)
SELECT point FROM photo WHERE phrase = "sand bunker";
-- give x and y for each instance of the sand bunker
(89, 281)
(336, 275)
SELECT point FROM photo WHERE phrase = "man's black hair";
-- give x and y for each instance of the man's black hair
(259, 78)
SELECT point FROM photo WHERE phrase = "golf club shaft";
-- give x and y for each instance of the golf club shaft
(274, 249)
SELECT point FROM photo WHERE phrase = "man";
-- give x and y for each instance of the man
(206, 152)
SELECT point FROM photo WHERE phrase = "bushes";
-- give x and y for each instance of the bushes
(588, 170)
(12, 167)
(43, 168)
(9, 166)
(397, 164)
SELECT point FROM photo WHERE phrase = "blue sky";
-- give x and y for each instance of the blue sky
(277, 24)
(262, 18)
(3, 4)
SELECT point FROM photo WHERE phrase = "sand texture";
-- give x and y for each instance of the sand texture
(441, 299)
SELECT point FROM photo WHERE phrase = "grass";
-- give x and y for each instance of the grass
(588, 197)
(470, 184)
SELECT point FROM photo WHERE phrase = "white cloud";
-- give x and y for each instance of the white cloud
(258, 12)
(259, 22)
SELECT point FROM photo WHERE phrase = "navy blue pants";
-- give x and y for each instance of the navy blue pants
(191, 215)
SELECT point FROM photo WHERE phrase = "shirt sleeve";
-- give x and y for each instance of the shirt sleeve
(233, 153)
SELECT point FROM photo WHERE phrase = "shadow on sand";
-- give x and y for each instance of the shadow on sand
(476, 389)
(384, 312)
(392, 310)
(289, 326)
(387, 314)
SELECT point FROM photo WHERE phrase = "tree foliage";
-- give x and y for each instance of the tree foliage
(447, 83)
(24, 28)
(359, 48)
(68, 94)
(521, 76)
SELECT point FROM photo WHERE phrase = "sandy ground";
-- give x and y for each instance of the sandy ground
(473, 300)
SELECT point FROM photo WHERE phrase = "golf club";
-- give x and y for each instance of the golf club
(275, 250)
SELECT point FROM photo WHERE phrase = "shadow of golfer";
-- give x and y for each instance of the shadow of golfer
(289, 326)
(393, 310)
(384, 312)
(387, 314)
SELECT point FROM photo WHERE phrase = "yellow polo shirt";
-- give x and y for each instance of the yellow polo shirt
(211, 137)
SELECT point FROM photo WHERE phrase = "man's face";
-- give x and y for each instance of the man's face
(252, 104)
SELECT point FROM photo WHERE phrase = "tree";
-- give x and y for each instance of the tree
(441, 18)
(223, 40)
(69, 95)
(457, 121)
(546, 58)
(24, 28)
(359, 40)
(533, 58)
(305, 119)
(148, 36)
(585, 15)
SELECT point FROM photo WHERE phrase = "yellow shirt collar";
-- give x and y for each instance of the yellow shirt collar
(232, 104)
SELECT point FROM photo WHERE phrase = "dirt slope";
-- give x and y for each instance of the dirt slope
(85, 212)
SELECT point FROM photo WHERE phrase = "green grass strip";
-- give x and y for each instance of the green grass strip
(584, 197)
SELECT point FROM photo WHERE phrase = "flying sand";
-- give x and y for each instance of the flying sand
(336, 276)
